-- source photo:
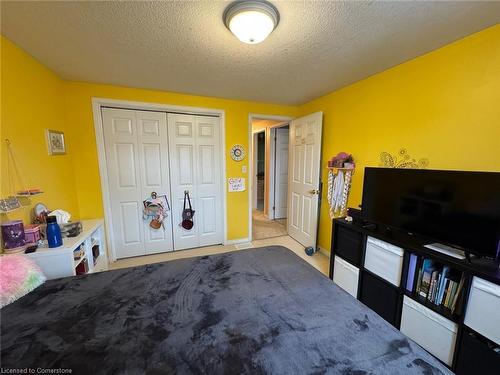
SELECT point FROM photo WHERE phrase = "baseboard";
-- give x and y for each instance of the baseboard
(324, 252)
(237, 241)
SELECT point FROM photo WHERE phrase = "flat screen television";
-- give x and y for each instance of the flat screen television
(456, 208)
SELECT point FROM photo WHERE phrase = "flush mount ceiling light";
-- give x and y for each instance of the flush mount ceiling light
(251, 21)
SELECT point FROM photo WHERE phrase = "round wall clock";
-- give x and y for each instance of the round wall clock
(237, 152)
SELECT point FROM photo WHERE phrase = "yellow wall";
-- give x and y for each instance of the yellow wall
(33, 100)
(444, 106)
(82, 141)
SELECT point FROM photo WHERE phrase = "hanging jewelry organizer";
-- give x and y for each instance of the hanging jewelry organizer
(340, 170)
(13, 202)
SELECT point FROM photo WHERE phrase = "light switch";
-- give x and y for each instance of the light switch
(243, 169)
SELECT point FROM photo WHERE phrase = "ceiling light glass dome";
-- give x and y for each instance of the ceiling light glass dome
(251, 21)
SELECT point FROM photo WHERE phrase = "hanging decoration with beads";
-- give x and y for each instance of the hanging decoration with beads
(340, 170)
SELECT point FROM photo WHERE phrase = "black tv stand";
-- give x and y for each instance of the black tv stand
(470, 352)
(485, 263)
(370, 226)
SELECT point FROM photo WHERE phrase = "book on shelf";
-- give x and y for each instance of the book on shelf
(412, 268)
(419, 280)
(428, 268)
(444, 276)
(456, 304)
(451, 291)
(438, 284)
(433, 289)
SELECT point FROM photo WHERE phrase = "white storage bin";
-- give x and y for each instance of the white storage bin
(384, 260)
(430, 330)
(346, 276)
(483, 309)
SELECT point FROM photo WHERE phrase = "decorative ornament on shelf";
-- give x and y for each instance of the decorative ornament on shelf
(402, 160)
(340, 170)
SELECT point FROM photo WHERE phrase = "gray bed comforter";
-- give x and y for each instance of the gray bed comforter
(253, 311)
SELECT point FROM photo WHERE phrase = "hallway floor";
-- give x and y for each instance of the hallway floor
(319, 261)
(262, 227)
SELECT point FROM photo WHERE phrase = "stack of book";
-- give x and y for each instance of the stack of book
(439, 284)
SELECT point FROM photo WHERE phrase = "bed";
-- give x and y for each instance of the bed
(252, 311)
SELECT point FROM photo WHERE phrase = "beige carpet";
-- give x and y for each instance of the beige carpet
(265, 228)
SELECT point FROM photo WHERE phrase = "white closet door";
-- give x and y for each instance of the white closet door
(209, 189)
(122, 159)
(195, 166)
(153, 156)
(137, 162)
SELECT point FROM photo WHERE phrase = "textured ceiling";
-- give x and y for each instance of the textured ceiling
(184, 47)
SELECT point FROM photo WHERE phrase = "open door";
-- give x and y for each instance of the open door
(304, 178)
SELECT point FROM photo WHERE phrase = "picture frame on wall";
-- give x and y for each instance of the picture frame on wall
(55, 142)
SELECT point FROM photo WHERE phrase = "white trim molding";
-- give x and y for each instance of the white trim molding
(324, 252)
(99, 103)
(238, 241)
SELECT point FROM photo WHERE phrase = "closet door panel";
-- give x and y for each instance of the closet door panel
(195, 166)
(129, 223)
(182, 147)
(184, 156)
(123, 166)
(153, 156)
(209, 189)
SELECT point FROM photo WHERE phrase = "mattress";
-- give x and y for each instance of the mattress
(255, 311)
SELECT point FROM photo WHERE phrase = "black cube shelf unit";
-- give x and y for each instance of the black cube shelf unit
(373, 265)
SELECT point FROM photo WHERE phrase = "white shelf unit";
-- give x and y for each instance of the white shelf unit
(59, 262)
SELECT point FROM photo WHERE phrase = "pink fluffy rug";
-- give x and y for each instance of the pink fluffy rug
(19, 275)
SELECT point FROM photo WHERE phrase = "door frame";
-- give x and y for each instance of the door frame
(254, 163)
(99, 103)
(251, 117)
(272, 169)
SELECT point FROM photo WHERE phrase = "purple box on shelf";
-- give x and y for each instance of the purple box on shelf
(13, 235)
(32, 233)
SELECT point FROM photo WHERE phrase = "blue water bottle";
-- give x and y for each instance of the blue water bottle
(53, 232)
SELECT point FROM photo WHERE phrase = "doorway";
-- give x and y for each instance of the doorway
(299, 213)
(270, 177)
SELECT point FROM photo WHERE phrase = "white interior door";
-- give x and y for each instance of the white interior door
(281, 173)
(195, 166)
(137, 164)
(304, 178)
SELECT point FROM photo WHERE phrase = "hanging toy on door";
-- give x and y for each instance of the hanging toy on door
(340, 170)
(187, 213)
(155, 209)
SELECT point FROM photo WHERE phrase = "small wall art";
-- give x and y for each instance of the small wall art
(55, 142)
(402, 160)
(236, 184)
